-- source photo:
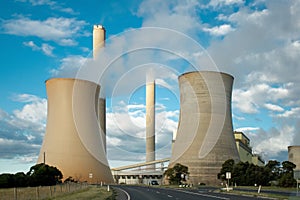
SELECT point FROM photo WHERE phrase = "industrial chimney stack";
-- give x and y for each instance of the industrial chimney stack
(150, 121)
(98, 43)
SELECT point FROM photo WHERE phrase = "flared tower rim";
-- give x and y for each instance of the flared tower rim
(212, 72)
(70, 79)
(294, 147)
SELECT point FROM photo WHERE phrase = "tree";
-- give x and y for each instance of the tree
(272, 168)
(288, 166)
(227, 166)
(287, 174)
(20, 179)
(42, 175)
(6, 180)
(174, 174)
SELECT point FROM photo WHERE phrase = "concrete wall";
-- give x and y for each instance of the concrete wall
(205, 136)
(73, 141)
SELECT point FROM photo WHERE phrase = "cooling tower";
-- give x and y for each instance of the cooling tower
(102, 119)
(204, 137)
(73, 141)
(294, 156)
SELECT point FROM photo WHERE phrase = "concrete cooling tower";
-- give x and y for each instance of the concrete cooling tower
(204, 136)
(294, 156)
(74, 142)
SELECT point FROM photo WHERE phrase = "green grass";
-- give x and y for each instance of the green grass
(255, 194)
(65, 192)
(91, 193)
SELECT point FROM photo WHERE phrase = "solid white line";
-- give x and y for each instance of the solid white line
(205, 195)
(128, 196)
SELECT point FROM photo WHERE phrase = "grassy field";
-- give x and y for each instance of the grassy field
(62, 192)
(91, 193)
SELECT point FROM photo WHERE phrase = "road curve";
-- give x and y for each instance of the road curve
(127, 192)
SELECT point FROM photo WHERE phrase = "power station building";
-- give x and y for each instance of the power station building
(204, 136)
(245, 150)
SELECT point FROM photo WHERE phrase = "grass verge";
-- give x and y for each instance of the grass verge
(91, 193)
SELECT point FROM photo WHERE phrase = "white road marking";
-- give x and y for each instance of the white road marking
(128, 196)
(169, 196)
(205, 195)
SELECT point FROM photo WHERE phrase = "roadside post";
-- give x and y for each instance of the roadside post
(228, 177)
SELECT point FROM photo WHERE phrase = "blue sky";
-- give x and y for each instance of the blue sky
(257, 41)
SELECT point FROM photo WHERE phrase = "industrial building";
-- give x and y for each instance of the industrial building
(245, 150)
(204, 137)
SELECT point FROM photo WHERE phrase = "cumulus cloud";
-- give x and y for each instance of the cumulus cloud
(219, 30)
(272, 142)
(219, 3)
(22, 131)
(274, 107)
(69, 66)
(60, 30)
(292, 113)
(251, 98)
(45, 48)
(176, 15)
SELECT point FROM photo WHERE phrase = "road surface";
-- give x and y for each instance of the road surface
(127, 192)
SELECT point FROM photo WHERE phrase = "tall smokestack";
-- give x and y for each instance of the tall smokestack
(98, 39)
(98, 43)
(150, 121)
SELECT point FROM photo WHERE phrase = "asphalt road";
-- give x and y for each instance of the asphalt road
(127, 192)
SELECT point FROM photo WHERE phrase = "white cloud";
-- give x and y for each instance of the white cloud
(273, 107)
(176, 15)
(219, 30)
(218, 3)
(292, 113)
(45, 48)
(22, 131)
(249, 100)
(51, 4)
(247, 129)
(69, 66)
(34, 112)
(60, 30)
(270, 143)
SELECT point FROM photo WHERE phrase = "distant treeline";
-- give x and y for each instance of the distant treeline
(246, 174)
(38, 175)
